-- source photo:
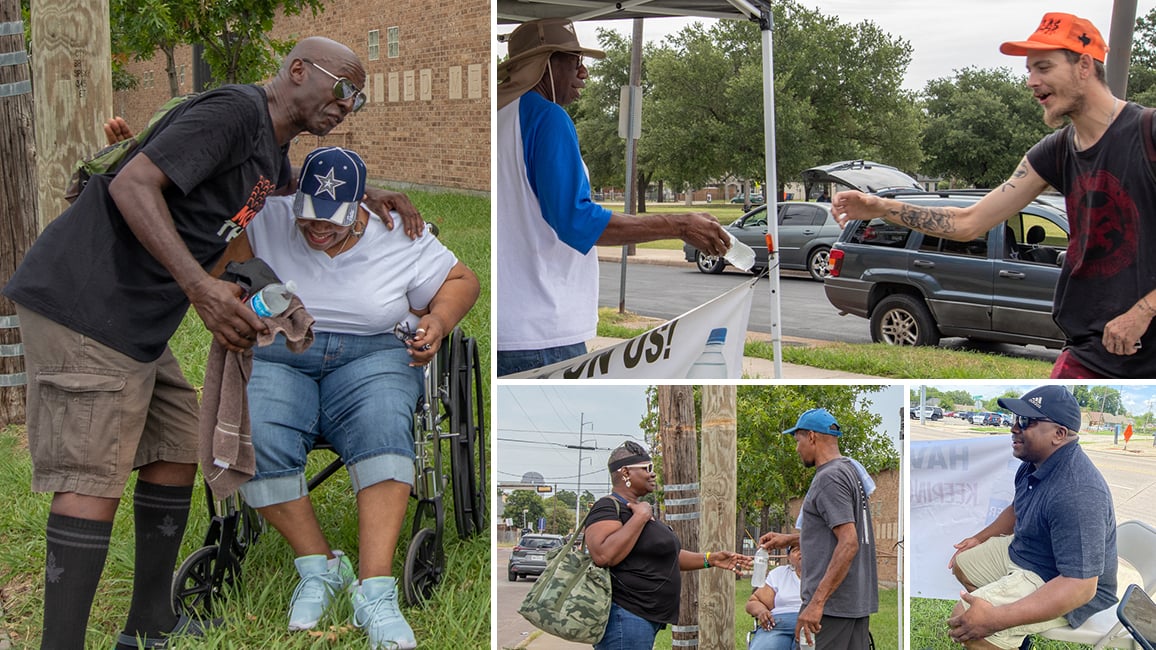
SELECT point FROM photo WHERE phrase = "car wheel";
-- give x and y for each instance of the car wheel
(709, 263)
(901, 319)
(512, 575)
(817, 263)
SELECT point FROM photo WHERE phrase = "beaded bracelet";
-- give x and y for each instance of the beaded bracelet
(706, 561)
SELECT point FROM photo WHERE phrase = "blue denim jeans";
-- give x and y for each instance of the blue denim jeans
(358, 392)
(627, 631)
(780, 637)
(512, 361)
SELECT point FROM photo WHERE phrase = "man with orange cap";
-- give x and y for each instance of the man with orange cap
(1106, 296)
(547, 224)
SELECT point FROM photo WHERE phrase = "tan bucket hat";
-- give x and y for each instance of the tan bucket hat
(530, 47)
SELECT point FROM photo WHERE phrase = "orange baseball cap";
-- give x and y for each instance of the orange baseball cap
(1059, 31)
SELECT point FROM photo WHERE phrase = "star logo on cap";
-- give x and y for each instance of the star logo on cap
(1038, 401)
(329, 184)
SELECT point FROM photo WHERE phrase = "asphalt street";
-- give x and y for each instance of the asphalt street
(668, 291)
(512, 628)
(1130, 472)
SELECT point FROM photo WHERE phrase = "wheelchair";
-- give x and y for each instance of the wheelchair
(449, 420)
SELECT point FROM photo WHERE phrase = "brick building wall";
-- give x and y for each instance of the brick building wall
(427, 123)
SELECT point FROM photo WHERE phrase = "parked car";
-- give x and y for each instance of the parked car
(755, 199)
(987, 419)
(862, 175)
(965, 415)
(929, 413)
(1006, 419)
(529, 555)
(914, 288)
(806, 232)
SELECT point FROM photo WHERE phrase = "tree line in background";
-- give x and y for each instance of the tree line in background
(838, 96)
(1090, 398)
(769, 471)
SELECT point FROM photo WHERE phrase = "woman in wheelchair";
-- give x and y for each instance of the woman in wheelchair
(356, 386)
(775, 606)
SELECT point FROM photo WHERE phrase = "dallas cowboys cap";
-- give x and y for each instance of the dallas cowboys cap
(331, 186)
(1053, 403)
(817, 420)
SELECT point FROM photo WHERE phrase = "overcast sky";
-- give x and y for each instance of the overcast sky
(1135, 397)
(944, 35)
(533, 422)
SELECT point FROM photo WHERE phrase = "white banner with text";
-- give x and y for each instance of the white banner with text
(957, 488)
(704, 343)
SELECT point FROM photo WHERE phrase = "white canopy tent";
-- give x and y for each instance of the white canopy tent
(517, 11)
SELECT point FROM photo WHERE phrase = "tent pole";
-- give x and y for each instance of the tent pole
(771, 195)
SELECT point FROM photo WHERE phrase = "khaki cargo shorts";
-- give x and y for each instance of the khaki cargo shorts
(1000, 581)
(95, 414)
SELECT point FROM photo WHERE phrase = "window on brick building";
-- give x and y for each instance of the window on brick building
(181, 75)
(147, 79)
(374, 44)
(393, 42)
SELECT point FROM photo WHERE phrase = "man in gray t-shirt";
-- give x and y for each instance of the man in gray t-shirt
(840, 585)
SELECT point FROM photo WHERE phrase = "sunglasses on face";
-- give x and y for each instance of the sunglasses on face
(649, 467)
(1023, 422)
(343, 89)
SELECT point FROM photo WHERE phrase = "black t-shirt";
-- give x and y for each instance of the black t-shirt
(1111, 201)
(647, 581)
(88, 272)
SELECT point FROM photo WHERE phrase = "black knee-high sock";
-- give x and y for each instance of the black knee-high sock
(77, 549)
(161, 514)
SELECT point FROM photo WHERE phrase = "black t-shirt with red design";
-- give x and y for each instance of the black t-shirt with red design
(88, 272)
(1111, 202)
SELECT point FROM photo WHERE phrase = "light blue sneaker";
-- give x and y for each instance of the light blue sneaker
(320, 579)
(375, 609)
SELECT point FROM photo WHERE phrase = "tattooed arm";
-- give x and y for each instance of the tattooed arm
(959, 223)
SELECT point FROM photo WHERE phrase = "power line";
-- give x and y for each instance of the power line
(556, 444)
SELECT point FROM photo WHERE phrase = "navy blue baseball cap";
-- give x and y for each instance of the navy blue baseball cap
(1053, 403)
(331, 186)
(818, 420)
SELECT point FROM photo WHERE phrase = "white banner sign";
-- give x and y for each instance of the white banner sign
(957, 488)
(676, 349)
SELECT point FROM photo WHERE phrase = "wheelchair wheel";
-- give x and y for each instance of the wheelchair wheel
(200, 582)
(425, 563)
(468, 446)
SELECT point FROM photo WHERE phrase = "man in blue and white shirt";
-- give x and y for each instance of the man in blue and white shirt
(547, 223)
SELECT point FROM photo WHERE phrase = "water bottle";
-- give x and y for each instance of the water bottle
(803, 645)
(273, 300)
(739, 254)
(759, 571)
(711, 364)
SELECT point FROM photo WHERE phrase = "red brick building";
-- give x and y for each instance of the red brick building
(427, 123)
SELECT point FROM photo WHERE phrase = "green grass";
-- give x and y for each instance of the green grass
(877, 359)
(929, 628)
(884, 623)
(458, 615)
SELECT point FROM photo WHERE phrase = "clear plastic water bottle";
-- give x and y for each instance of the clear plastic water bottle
(759, 570)
(711, 364)
(739, 254)
(273, 300)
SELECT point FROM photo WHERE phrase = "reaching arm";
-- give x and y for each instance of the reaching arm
(698, 229)
(1056, 598)
(846, 547)
(961, 224)
(138, 192)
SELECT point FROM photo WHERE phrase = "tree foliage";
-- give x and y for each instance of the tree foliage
(234, 33)
(980, 124)
(1100, 398)
(1142, 70)
(520, 500)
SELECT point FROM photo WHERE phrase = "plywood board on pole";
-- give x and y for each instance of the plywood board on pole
(719, 450)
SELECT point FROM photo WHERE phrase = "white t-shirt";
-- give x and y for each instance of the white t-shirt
(365, 290)
(786, 584)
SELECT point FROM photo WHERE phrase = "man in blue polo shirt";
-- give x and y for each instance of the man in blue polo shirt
(1049, 559)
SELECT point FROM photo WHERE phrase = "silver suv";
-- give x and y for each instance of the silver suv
(914, 288)
(529, 556)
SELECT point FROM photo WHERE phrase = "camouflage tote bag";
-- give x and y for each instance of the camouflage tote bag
(571, 599)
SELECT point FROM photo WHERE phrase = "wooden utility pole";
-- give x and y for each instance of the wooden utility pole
(18, 226)
(676, 426)
(72, 70)
(719, 491)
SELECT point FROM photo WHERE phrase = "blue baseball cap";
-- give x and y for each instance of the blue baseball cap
(1053, 403)
(331, 186)
(818, 420)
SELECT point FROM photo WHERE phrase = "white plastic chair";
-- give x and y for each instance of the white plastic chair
(1136, 543)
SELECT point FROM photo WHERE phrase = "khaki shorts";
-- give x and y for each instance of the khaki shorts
(95, 414)
(1000, 581)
